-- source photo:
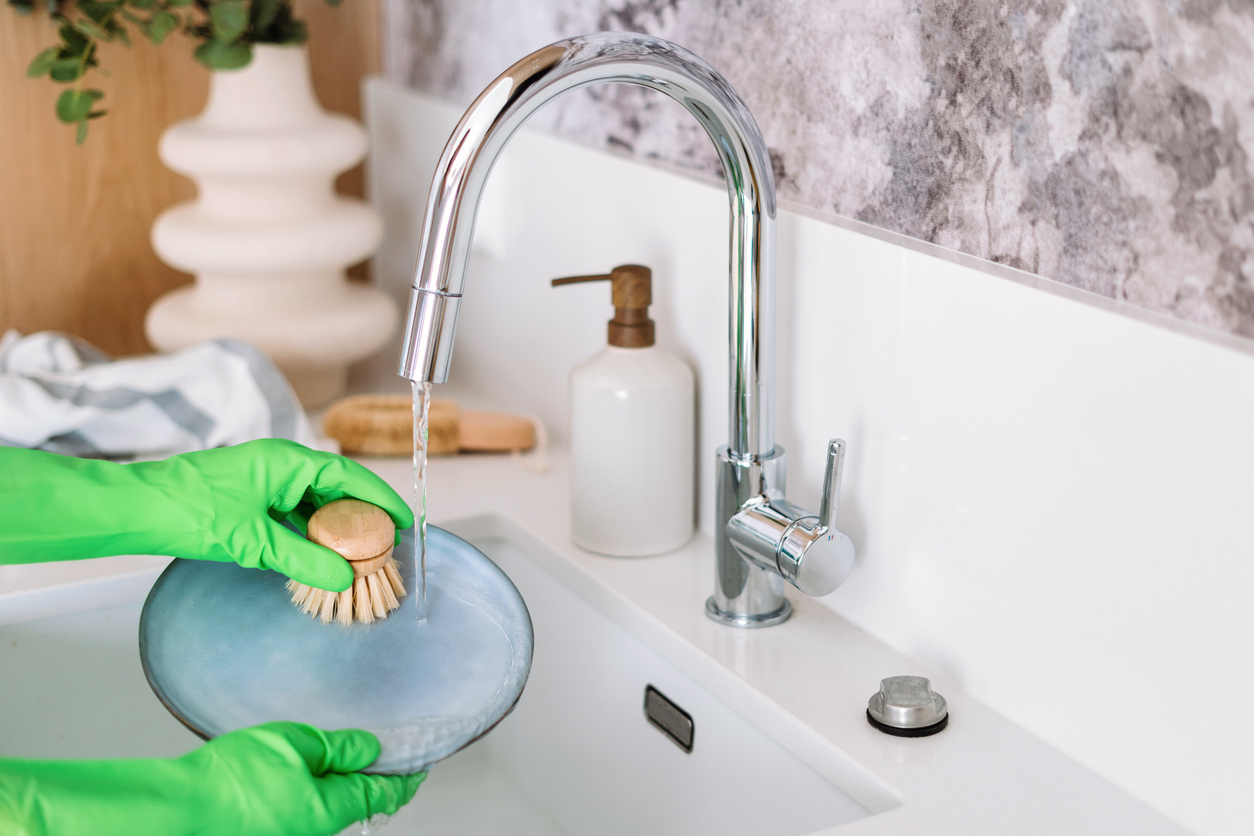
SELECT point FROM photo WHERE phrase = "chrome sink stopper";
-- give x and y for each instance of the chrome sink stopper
(906, 706)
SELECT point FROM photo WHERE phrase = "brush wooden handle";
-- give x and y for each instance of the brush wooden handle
(363, 535)
(366, 568)
(357, 531)
(382, 425)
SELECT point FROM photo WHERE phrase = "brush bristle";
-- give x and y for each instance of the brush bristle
(344, 607)
(328, 606)
(376, 597)
(385, 586)
(361, 602)
(368, 599)
(393, 573)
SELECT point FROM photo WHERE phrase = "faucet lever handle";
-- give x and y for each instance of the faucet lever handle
(831, 482)
(806, 550)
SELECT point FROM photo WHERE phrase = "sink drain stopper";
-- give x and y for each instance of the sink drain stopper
(906, 706)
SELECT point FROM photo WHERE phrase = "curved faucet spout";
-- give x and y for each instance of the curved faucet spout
(526, 87)
(761, 540)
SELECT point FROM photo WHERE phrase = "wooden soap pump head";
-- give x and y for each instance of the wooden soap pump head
(632, 291)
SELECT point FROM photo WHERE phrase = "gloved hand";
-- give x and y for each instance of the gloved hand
(223, 504)
(279, 778)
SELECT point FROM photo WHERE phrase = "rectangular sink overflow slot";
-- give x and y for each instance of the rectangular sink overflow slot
(668, 718)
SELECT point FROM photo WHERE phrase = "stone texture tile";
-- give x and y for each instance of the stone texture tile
(1100, 143)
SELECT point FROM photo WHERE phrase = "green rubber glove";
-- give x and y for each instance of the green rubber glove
(224, 504)
(279, 778)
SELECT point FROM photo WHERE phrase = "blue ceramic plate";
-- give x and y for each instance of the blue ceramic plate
(223, 647)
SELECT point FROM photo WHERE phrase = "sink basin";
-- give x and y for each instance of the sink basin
(577, 755)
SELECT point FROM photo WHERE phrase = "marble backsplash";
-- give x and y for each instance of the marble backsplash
(1099, 143)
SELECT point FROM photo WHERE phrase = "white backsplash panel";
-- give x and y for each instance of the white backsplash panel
(1052, 498)
(1101, 144)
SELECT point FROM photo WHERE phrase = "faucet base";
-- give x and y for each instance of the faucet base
(747, 622)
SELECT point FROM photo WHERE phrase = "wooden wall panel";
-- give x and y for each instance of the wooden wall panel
(74, 220)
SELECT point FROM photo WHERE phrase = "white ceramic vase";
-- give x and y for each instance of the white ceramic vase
(268, 239)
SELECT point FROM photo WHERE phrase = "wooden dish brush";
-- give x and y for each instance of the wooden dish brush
(383, 425)
(364, 535)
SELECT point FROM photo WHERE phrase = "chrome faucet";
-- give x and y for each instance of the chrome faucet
(762, 540)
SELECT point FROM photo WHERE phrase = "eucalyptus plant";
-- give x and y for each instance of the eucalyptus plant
(226, 31)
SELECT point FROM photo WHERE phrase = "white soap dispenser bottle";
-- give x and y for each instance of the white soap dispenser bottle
(631, 433)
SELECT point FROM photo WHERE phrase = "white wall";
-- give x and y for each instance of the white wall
(1051, 496)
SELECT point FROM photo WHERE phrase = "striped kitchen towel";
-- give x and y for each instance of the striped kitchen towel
(62, 394)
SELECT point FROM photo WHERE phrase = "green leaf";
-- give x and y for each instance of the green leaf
(229, 19)
(91, 30)
(262, 13)
(287, 31)
(80, 135)
(334, 2)
(220, 56)
(42, 63)
(72, 42)
(97, 11)
(75, 105)
(141, 4)
(178, 4)
(66, 69)
(162, 24)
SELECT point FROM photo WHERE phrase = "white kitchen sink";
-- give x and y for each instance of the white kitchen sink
(577, 756)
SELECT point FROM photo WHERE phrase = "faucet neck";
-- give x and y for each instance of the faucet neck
(502, 108)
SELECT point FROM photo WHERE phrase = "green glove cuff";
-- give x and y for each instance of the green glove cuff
(279, 778)
(224, 504)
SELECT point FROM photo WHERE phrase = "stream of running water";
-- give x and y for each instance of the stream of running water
(422, 409)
